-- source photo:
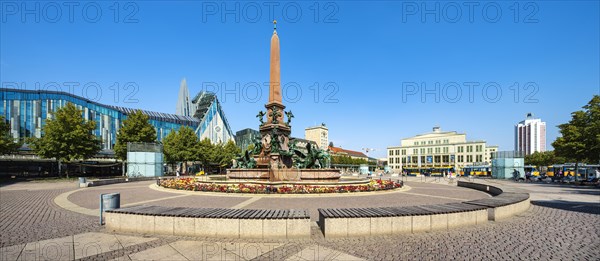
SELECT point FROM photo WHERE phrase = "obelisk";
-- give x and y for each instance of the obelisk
(275, 132)
(275, 107)
(275, 79)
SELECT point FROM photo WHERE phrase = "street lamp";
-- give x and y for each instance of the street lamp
(367, 150)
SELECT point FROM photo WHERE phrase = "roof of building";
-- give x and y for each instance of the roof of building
(302, 140)
(350, 153)
(152, 114)
(322, 126)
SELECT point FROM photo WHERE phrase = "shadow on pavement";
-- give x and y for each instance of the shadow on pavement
(582, 207)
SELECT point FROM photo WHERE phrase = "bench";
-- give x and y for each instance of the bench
(504, 205)
(398, 220)
(211, 222)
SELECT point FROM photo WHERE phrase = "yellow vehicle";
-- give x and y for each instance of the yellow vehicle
(483, 170)
(440, 171)
(200, 173)
(533, 170)
(560, 171)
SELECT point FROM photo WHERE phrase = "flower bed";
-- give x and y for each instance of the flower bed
(193, 185)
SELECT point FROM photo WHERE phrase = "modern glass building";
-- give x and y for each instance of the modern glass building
(205, 106)
(27, 111)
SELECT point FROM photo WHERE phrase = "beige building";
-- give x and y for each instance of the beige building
(318, 134)
(439, 150)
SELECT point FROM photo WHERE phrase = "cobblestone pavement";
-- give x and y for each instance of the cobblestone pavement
(28, 213)
(562, 224)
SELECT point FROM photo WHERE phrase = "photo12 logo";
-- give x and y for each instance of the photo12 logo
(291, 92)
(454, 92)
(469, 11)
(254, 12)
(93, 91)
(68, 11)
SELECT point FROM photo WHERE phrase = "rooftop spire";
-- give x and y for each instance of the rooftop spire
(274, 25)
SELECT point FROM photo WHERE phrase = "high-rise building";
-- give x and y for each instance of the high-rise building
(530, 135)
(439, 150)
(318, 134)
(183, 100)
(206, 107)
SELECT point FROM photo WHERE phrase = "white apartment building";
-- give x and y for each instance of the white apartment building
(439, 150)
(530, 135)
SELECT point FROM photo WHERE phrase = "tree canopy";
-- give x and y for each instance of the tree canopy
(347, 160)
(67, 136)
(545, 158)
(181, 145)
(7, 143)
(136, 128)
(580, 137)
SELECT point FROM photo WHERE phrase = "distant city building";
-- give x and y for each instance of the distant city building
(530, 135)
(27, 112)
(245, 137)
(336, 151)
(205, 107)
(183, 100)
(438, 149)
(318, 134)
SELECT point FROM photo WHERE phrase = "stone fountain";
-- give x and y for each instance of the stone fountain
(274, 157)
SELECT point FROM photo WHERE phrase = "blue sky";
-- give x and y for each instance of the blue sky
(375, 64)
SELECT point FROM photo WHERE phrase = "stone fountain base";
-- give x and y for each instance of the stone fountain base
(285, 174)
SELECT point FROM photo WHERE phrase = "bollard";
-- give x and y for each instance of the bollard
(82, 181)
(109, 202)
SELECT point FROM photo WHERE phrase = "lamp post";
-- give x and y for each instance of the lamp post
(367, 150)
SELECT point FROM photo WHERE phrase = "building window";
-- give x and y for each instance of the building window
(403, 152)
(478, 148)
(445, 149)
(397, 152)
(415, 151)
(446, 159)
(423, 151)
(430, 142)
(391, 153)
(429, 150)
(469, 148)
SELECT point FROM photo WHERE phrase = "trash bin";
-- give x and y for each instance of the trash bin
(81, 179)
(109, 202)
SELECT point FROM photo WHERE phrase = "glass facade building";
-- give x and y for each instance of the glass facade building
(27, 111)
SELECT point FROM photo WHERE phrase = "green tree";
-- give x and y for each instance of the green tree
(543, 159)
(181, 145)
(580, 137)
(67, 136)
(136, 128)
(227, 153)
(206, 153)
(7, 143)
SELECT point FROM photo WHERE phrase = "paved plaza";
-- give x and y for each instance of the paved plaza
(57, 221)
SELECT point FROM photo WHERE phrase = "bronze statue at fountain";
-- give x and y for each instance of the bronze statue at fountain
(273, 156)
